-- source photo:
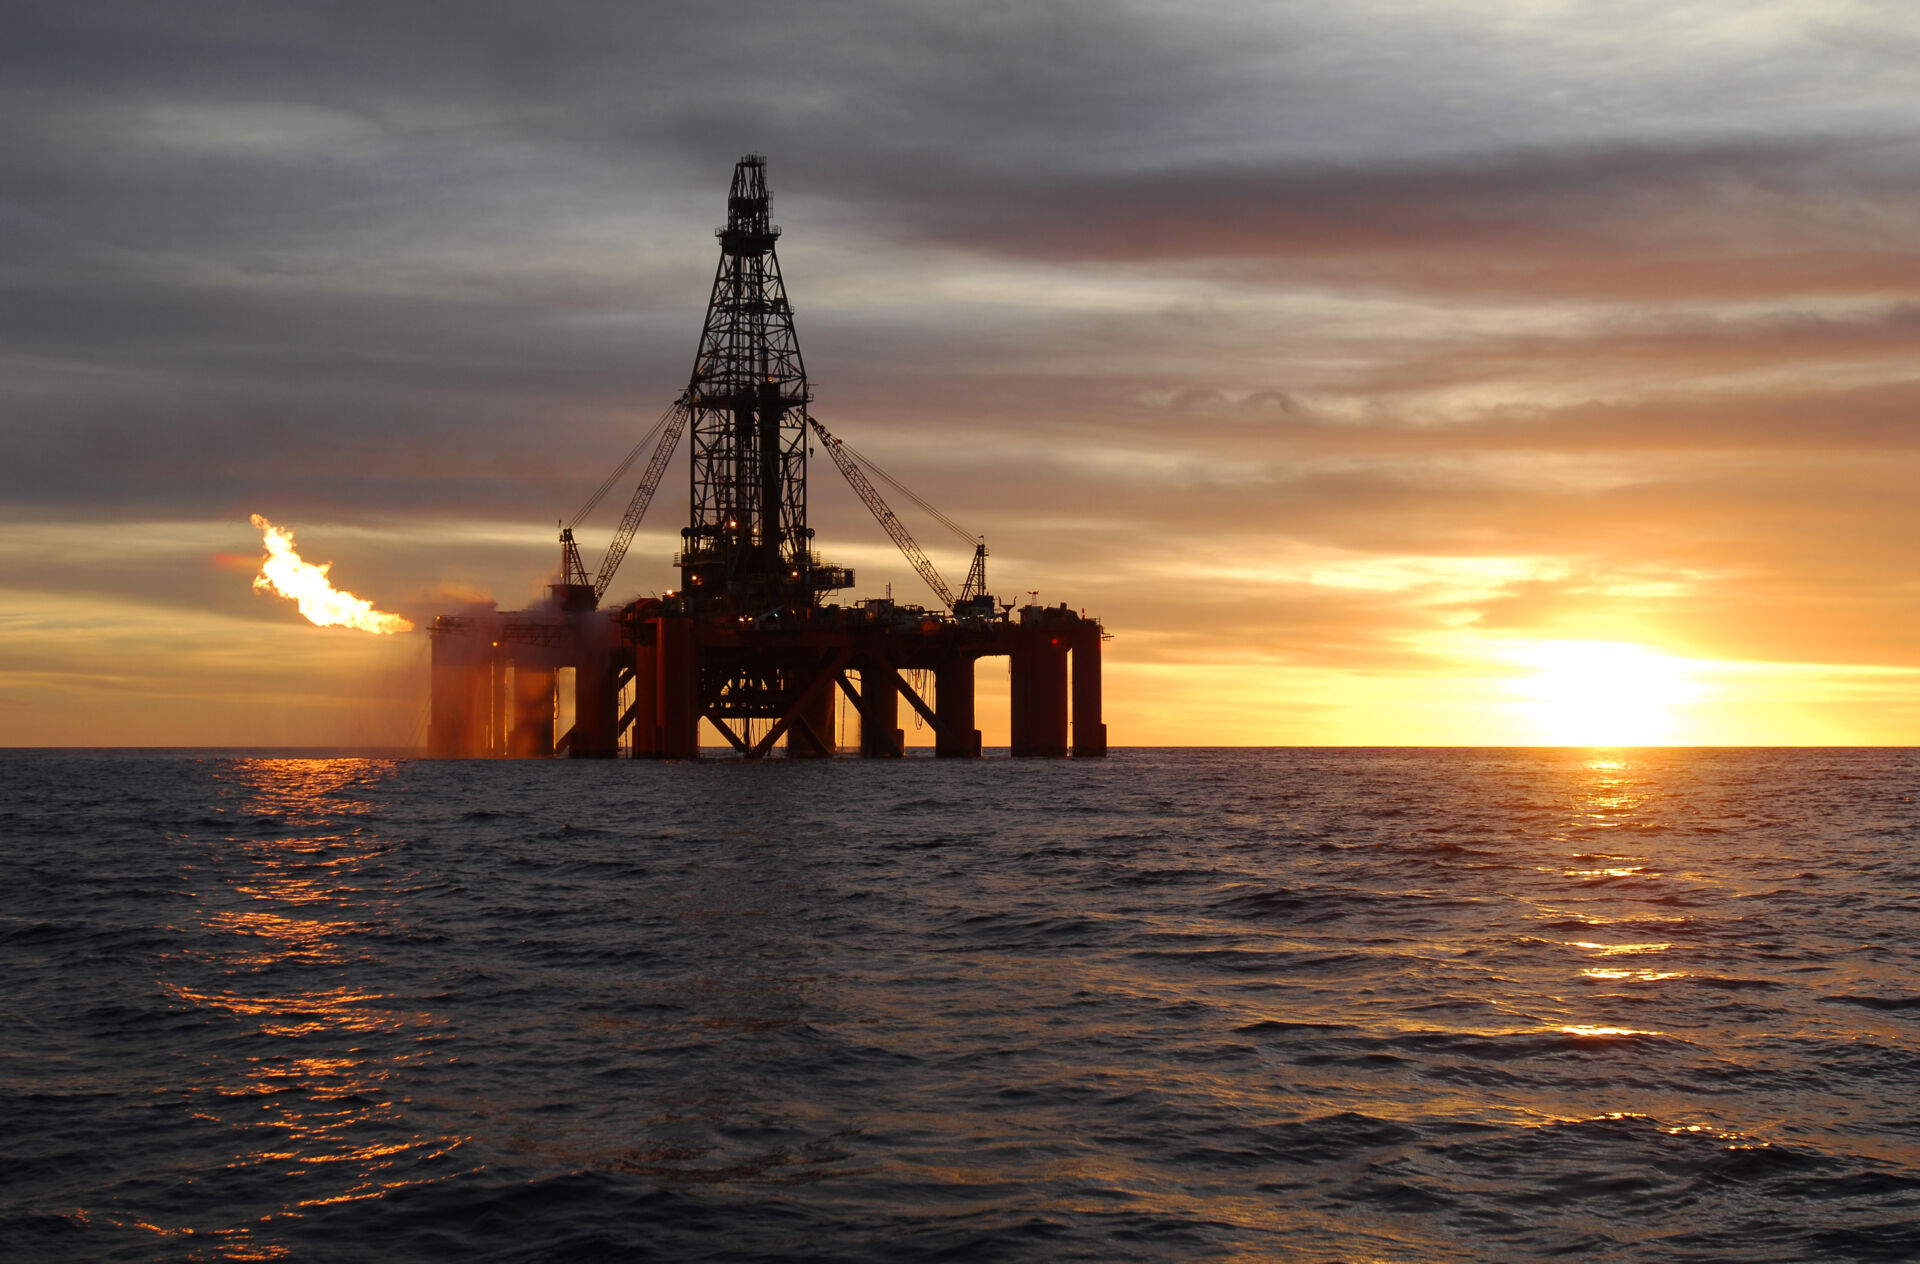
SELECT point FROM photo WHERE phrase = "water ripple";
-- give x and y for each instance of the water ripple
(1314, 1004)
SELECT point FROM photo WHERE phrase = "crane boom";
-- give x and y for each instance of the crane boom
(642, 497)
(883, 514)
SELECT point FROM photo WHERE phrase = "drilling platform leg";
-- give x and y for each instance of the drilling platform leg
(880, 735)
(596, 707)
(645, 736)
(479, 690)
(1040, 697)
(953, 703)
(498, 705)
(450, 726)
(532, 712)
(678, 691)
(817, 714)
(1089, 731)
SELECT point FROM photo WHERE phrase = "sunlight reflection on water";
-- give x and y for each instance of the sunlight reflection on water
(1333, 1005)
(310, 1071)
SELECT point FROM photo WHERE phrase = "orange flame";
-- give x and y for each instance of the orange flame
(283, 572)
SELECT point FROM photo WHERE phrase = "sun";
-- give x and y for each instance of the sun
(1603, 693)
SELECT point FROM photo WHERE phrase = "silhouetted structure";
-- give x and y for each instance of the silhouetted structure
(746, 642)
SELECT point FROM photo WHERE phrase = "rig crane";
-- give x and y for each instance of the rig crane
(575, 590)
(973, 597)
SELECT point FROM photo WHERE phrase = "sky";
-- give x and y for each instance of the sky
(1379, 373)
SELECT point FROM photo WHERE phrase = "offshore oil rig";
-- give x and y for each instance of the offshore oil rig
(746, 643)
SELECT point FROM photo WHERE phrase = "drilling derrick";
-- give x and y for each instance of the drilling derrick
(748, 550)
(746, 648)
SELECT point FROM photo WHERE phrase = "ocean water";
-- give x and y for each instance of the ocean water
(1312, 1005)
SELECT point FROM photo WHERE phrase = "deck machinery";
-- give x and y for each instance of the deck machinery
(747, 641)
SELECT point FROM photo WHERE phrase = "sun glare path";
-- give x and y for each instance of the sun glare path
(282, 571)
(1603, 693)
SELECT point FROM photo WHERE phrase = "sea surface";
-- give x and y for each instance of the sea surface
(1317, 1005)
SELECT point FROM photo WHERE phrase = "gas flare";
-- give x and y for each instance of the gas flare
(283, 572)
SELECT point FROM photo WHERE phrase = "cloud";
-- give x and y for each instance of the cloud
(1174, 305)
(1690, 217)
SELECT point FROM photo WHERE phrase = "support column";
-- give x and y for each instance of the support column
(679, 689)
(818, 713)
(953, 703)
(596, 706)
(1089, 731)
(450, 723)
(880, 735)
(478, 683)
(500, 686)
(1040, 694)
(644, 738)
(532, 712)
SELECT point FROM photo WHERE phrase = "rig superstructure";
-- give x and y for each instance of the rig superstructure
(747, 643)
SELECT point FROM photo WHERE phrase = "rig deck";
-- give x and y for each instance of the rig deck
(643, 676)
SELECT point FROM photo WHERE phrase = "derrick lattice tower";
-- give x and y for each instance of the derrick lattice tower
(747, 547)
